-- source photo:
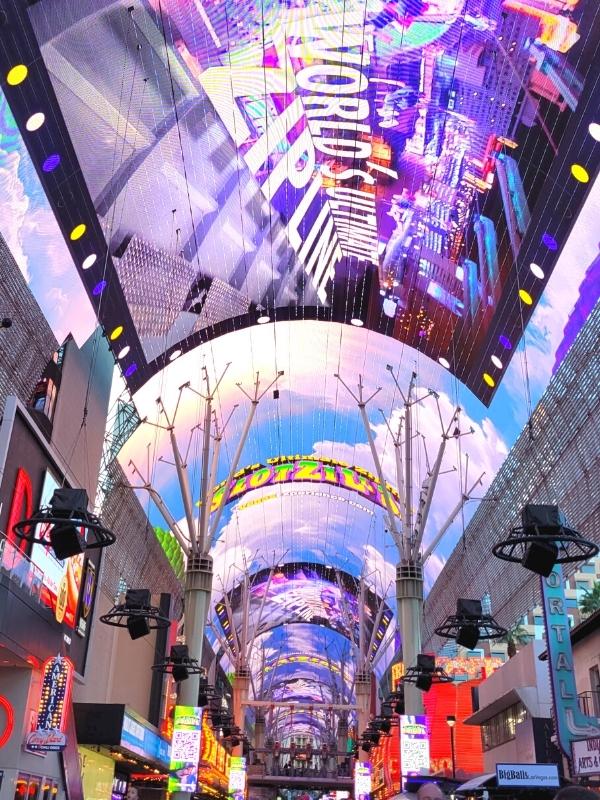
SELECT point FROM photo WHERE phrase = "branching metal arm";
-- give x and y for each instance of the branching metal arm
(362, 403)
(451, 517)
(255, 399)
(430, 483)
(163, 509)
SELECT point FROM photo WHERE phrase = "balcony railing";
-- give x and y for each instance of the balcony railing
(20, 568)
(589, 703)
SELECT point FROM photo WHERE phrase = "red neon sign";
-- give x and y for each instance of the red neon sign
(21, 506)
(10, 720)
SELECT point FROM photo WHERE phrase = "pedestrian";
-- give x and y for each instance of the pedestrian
(430, 791)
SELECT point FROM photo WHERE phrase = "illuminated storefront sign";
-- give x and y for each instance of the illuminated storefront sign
(140, 739)
(571, 722)
(185, 749)
(586, 757)
(533, 775)
(414, 746)
(237, 778)
(398, 671)
(87, 598)
(57, 678)
(362, 780)
(300, 469)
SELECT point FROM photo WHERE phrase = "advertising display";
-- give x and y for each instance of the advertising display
(532, 775)
(362, 780)
(86, 598)
(185, 749)
(304, 469)
(97, 774)
(60, 577)
(305, 593)
(57, 679)
(414, 746)
(137, 737)
(30, 470)
(338, 156)
(237, 778)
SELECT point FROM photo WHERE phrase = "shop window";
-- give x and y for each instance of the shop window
(44, 397)
(32, 787)
(503, 727)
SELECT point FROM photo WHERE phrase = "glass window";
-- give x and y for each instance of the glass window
(502, 727)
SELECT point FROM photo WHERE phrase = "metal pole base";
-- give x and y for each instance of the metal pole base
(198, 589)
(362, 688)
(409, 598)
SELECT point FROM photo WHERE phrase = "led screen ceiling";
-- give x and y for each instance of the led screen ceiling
(368, 161)
(304, 593)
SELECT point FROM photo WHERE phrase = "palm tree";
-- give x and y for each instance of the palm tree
(516, 636)
(590, 601)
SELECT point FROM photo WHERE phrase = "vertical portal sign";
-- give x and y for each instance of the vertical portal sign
(57, 678)
(362, 780)
(571, 723)
(237, 778)
(185, 749)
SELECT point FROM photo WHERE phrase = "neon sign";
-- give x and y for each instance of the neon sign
(57, 679)
(10, 720)
(302, 469)
(571, 723)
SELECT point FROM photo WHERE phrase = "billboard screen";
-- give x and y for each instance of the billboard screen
(185, 749)
(362, 780)
(354, 160)
(29, 472)
(58, 575)
(237, 778)
(414, 746)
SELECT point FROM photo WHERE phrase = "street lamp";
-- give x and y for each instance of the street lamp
(451, 721)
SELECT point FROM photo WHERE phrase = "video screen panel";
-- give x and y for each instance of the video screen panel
(357, 160)
(303, 593)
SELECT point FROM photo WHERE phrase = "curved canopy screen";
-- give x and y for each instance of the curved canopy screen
(304, 593)
(375, 162)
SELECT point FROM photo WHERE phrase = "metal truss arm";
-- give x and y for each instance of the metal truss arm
(163, 509)
(451, 517)
(254, 401)
(431, 483)
(362, 403)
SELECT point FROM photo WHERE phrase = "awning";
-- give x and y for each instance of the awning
(525, 694)
(478, 783)
(119, 728)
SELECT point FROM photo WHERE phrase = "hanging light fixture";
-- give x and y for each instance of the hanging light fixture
(425, 673)
(469, 625)
(179, 664)
(66, 525)
(137, 614)
(543, 540)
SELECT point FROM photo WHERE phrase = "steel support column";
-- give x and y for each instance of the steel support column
(409, 598)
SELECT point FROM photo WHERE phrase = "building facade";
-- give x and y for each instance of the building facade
(555, 460)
